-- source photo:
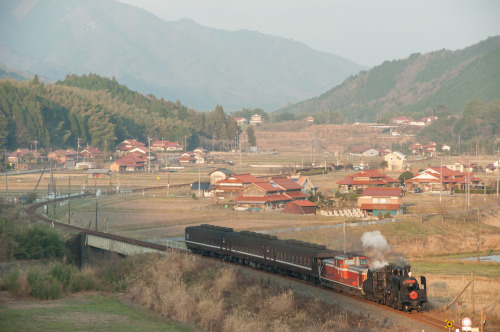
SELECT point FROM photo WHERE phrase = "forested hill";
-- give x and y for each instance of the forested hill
(411, 86)
(100, 112)
(180, 60)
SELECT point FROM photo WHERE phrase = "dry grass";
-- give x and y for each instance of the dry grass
(218, 298)
(442, 290)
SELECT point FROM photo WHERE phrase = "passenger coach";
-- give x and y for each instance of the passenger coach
(289, 257)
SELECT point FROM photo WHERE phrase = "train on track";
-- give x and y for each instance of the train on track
(391, 285)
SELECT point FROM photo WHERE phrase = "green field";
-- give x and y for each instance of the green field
(83, 313)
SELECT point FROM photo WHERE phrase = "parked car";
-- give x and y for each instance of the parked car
(417, 190)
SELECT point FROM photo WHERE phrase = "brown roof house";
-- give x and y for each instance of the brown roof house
(381, 201)
(300, 207)
(129, 163)
(365, 179)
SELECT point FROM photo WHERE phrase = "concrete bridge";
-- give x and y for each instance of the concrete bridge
(95, 247)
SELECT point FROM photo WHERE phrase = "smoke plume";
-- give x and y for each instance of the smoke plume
(379, 248)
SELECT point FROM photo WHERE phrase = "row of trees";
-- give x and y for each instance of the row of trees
(100, 112)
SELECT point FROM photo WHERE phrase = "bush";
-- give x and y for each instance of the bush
(62, 273)
(43, 286)
(387, 214)
(11, 282)
(37, 242)
(83, 281)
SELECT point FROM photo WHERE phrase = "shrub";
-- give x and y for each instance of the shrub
(37, 242)
(62, 273)
(387, 214)
(11, 282)
(43, 286)
(83, 282)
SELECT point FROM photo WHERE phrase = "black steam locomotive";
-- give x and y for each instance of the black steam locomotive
(390, 285)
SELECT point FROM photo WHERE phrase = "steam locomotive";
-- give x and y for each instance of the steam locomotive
(391, 285)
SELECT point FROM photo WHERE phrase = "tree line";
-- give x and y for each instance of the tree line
(100, 112)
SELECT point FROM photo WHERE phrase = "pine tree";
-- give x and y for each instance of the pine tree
(251, 136)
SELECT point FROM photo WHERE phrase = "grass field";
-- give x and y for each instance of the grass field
(82, 313)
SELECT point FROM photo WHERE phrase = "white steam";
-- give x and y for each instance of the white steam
(376, 241)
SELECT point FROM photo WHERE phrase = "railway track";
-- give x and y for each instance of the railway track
(431, 319)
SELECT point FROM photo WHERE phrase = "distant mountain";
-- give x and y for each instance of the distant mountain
(19, 75)
(413, 85)
(200, 66)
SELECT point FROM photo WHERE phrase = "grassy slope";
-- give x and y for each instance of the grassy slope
(82, 313)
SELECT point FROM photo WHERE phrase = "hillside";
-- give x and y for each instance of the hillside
(100, 112)
(413, 85)
(202, 67)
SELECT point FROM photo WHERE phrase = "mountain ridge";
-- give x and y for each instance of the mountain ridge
(413, 85)
(179, 60)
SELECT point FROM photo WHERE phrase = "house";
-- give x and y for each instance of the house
(129, 163)
(187, 158)
(174, 146)
(309, 119)
(219, 174)
(428, 119)
(193, 158)
(256, 120)
(128, 145)
(261, 196)
(430, 149)
(400, 120)
(445, 147)
(300, 207)
(229, 188)
(371, 153)
(382, 152)
(358, 150)
(64, 157)
(204, 188)
(441, 179)
(241, 121)
(379, 201)
(416, 148)
(291, 188)
(463, 165)
(396, 161)
(200, 151)
(365, 179)
(493, 167)
(308, 187)
(159, 145)
(417, 123)
(91, 153)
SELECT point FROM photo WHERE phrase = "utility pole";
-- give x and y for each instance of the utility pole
(345, 244)
(7, 181)
(199, 184)
(441, 180)
(477, 233)
(95, 191)
(472, 289)
(69, 200)
(78, 150)
(149, 154)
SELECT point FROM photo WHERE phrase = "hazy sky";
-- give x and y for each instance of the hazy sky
(367, 32)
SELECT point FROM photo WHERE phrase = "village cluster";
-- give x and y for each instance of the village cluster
(379, 194)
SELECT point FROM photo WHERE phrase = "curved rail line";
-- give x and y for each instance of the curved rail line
(31, 211)
(431, 319)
